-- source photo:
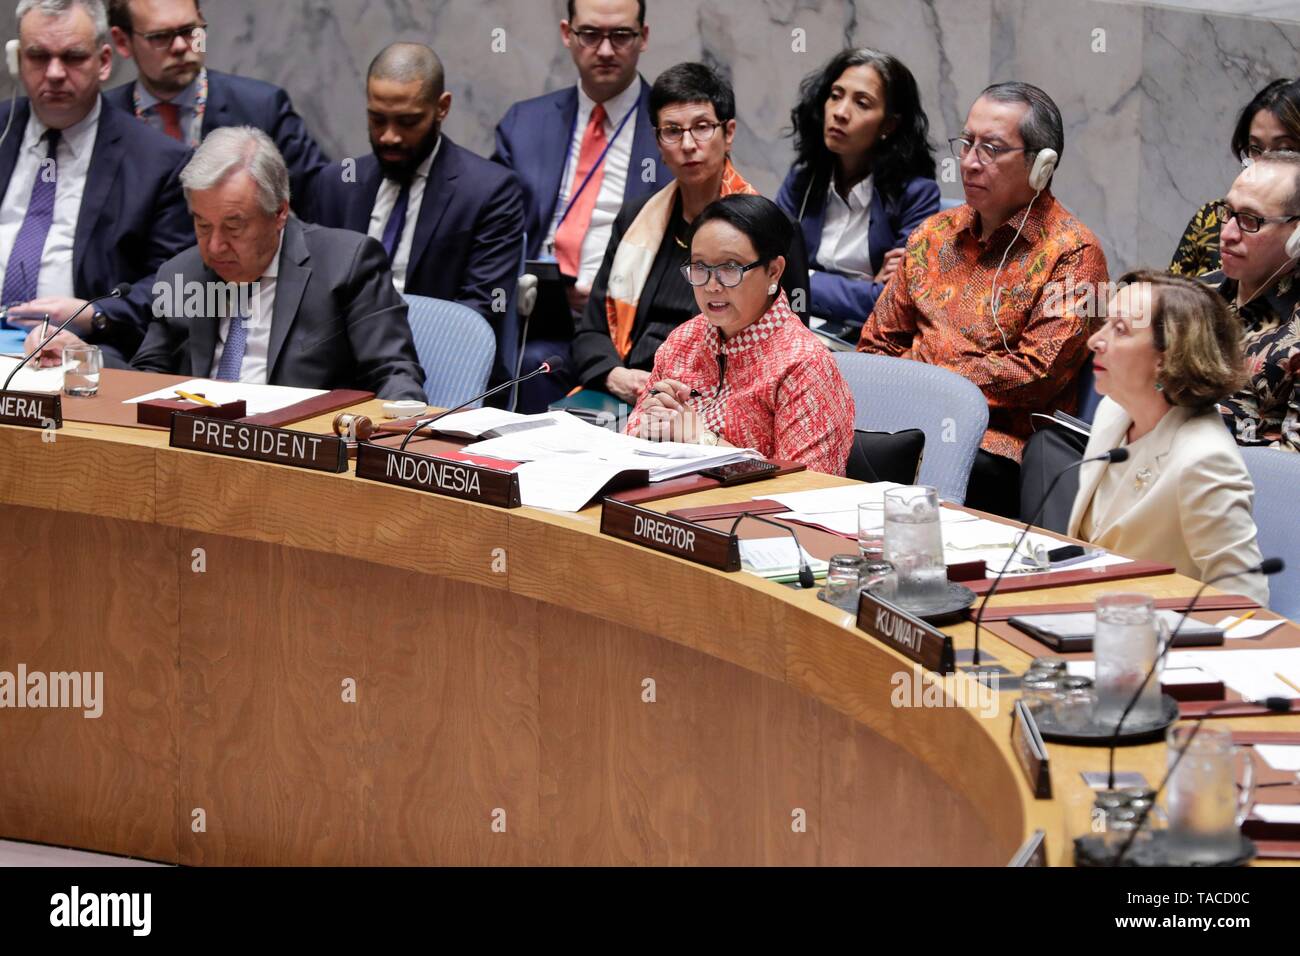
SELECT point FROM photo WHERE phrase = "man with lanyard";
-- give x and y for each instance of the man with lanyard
(581, 153)
(178, 95)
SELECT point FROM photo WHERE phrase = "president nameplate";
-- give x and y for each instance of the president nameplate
(439, 476)
(278, 446)
(31, 409)
(683, 539)
(910, 636)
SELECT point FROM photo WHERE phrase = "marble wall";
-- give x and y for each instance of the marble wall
(1149, 91)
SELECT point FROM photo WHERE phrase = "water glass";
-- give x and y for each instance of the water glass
(81, 367)
(1127, 639)
(914, 545)
(1203, 803)
(871, 530)
(842, 581)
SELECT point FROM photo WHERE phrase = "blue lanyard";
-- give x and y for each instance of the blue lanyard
(599, 162)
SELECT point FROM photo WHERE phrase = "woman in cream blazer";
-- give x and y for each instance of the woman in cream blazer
(1168, 351)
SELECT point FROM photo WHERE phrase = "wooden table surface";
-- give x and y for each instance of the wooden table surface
(311, 668)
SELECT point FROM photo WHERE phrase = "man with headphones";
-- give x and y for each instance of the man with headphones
(1259, 248)
(1001, 289)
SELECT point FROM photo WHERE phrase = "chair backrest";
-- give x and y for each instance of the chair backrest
(1088, 397)
(456, 346)
(1276, 475)
(891, 394)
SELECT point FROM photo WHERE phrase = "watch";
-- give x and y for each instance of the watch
(98, 321)
(707, 438)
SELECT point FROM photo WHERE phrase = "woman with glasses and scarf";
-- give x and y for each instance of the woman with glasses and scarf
(745, 371)
(639, 295)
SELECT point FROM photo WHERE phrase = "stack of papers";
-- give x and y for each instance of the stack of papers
(776, 557)
(494, 422)
(258, 399)
(31, 379)
(567, 461)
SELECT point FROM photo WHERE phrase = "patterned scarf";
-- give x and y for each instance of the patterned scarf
(636, 254)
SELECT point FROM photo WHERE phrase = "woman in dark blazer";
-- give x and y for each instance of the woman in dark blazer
(864, 159)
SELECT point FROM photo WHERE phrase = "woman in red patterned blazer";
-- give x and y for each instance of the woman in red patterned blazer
(746, 372)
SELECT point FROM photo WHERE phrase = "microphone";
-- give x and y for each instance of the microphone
(806, 579)
(1267, 566)
(1278, 705)
(551, 364)
(119, 290)
(1114, 456)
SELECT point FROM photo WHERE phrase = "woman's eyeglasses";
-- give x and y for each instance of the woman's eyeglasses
(672, 134)
(1246, 221)
(621, 39)
(729, 274)
(163, 39)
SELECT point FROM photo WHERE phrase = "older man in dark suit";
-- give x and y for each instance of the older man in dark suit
(177, 94)
(265, 299)
(88, 197)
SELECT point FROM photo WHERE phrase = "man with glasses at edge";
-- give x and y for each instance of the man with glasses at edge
(178, 95)
(1260, 282)
(580, 153)
(992, 290)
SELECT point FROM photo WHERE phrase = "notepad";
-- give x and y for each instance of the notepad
(258, 399)
(775, 557)
(32, 379)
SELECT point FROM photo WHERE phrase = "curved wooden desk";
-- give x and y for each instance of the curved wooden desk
(500, 661)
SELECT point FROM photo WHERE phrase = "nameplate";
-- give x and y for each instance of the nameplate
(439, 476)
(1033, 852)
(31, 409)
(910, 636)
(694, 542)
(1031, 752)
(279, 446)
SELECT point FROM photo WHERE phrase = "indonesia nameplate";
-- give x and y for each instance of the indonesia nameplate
(438, 476)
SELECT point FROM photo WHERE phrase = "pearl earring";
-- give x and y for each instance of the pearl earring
(771, 290)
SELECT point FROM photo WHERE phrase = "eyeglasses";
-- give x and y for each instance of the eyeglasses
(620, 39)
(729, 274)
(163, 39)
(986, 153)
(672, 134)
(1246, 221)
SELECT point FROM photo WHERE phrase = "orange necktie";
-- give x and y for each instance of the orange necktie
(171, 117)
(568, 238)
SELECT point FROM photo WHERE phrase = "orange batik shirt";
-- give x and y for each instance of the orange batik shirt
(936, 309)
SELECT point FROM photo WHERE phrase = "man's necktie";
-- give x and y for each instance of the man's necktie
(24, 266)
(396, 223)
(232, 356)
(568, 238)
(171, 117)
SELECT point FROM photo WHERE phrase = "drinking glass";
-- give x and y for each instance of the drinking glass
(81, 367)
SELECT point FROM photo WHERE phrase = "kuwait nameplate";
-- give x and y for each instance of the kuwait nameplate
(439, 476)
(279, 446)
(683, 539)
(910, 636)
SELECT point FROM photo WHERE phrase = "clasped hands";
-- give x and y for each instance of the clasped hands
(666, 416)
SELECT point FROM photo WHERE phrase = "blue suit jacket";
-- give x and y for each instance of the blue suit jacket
(133, 218)
(468, 238)
(533, 139)
(240, 101)
(892, 220)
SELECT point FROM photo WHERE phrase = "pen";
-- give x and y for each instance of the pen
(1239, 621)
(1287, 682)
(197, 399)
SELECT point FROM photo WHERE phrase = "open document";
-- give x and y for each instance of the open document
(31, 378)
(258, 399)
(566, 461)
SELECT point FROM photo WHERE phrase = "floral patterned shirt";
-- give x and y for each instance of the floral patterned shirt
(1198, 250)
(1267, 409)
(772, 386)
(936, 309)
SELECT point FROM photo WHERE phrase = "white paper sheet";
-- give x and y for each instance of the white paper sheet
(844, 498)
(259, 399)
(1168, 677)
(563, 484)
(1249, 673)
(1251, 628)
(772, 557)
(1280, 756)
(31, 379)
(1278, 812)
